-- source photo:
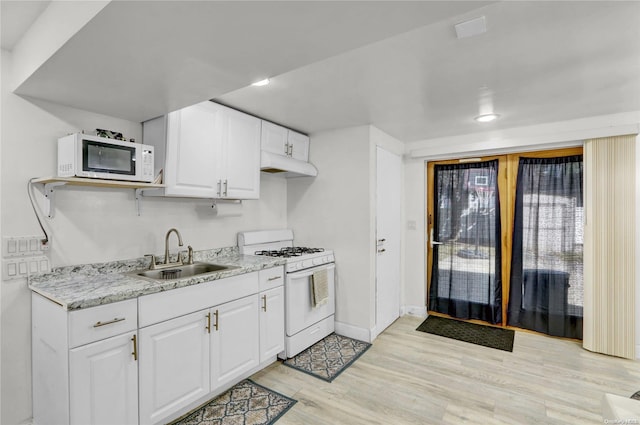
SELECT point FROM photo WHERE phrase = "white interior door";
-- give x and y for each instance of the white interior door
(388, 231)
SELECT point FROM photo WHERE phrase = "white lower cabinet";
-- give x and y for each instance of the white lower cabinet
(271, 323)
(174, 365)
(96, 366)
(103, 382)
(234, 340)
(84, 365)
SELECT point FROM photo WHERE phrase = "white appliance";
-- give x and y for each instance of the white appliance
(304, 324)
(82, 155)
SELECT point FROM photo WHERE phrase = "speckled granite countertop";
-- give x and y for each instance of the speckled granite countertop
(90, 285)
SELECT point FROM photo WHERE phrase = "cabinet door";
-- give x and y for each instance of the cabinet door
(234, 339)
(299, 146)
(194, 136)
(103, 378)
(274, 138)
(174, 365)
(242, 155)
(271, 323)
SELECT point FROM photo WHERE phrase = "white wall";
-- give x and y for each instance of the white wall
(337, 210)
(92, 225)
(333, 211)
(543, 136)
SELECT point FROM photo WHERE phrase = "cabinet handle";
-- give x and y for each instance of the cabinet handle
(381, 240)
(116, 320)
(264, 302)
(290, 149)
(219, 187)
(382, 250)
(273, 278)
(215, 325)
(226, 187)
(286, 148)
(208, 327)
(135, 347)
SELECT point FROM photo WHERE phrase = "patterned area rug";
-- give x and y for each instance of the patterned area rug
(329, 357)
(636, 395)
(488, 336)
(244, 404)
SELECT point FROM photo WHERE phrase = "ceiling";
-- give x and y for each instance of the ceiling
(392, 64)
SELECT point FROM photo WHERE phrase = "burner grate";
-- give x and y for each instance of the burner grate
(288, 252)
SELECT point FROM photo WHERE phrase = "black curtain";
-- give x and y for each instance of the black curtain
(546, 289)
(466, 279)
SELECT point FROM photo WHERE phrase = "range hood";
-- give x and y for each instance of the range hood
(274, 163)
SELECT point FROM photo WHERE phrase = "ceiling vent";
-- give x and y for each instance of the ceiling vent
(471, 27)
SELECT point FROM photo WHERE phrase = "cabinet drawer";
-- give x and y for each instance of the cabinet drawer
(162, 306)
(271, 278)
(96, 323)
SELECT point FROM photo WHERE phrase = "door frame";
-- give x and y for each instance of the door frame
(507, 180)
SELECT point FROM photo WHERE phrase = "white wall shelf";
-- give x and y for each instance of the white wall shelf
(49, 184)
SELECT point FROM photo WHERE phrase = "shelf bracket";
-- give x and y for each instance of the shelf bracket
(138, 196)
(49, 197)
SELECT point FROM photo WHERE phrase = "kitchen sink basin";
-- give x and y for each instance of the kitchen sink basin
(185, 270)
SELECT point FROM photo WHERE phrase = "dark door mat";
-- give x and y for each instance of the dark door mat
(329, 357)
(245, 403)
(501, 339)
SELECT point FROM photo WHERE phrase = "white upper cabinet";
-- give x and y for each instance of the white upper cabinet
(194, 139)
(241, 156)
(274, 138)
(298, 146)
(207, 151)
(282, 141)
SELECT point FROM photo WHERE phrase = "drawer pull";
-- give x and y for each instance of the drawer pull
(215, 325)
(274, 278)
(208, 327)
(135, 347)
(264, 302)
(116, 320)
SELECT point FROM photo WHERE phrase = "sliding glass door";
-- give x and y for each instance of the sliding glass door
(466, 276)
(505, 240)
(546, 293)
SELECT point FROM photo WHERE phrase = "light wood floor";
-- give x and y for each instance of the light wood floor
(411, 377)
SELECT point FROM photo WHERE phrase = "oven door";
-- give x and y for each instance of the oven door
(300, 313)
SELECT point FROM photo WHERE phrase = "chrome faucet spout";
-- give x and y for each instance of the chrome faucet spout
(166, 244)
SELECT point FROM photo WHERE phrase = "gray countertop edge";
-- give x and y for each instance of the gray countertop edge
(79, 287)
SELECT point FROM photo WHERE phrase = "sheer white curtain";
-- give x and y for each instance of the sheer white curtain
(609, 254)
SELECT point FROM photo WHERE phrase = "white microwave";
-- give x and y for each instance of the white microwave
(82, 155)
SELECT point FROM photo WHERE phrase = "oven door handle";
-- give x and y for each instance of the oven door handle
(307, 273)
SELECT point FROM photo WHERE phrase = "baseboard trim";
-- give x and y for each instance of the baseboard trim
(354, 332)
(638, 352)
(414, 310)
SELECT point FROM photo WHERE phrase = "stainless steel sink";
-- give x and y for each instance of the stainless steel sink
(182, 271)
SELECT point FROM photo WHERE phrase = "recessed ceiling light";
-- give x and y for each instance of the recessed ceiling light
(486, 117)
(261, 83)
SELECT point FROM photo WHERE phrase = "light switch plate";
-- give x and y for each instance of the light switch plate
(18, 268)
(23, 246)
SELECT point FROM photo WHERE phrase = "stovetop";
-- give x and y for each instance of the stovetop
(290, 251)
(279, 243)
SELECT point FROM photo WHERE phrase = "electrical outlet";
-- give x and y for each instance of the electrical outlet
(23, 246)
(17, 268)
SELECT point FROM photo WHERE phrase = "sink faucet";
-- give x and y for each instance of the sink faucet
(166, 245)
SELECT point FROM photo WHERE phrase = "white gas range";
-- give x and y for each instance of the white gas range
(305, 324)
